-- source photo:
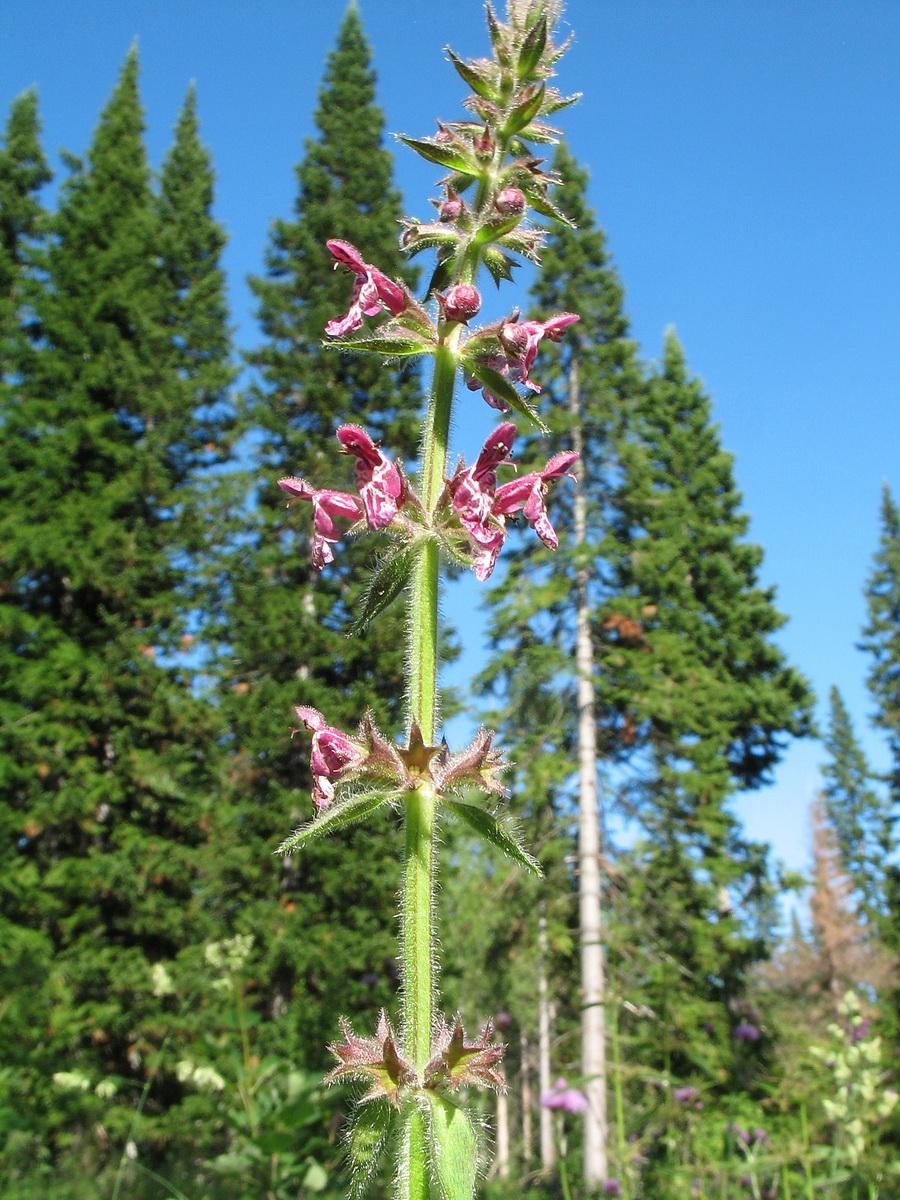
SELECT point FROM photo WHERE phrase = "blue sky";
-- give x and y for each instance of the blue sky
(745, 162)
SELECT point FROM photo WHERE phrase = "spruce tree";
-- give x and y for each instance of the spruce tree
(283, 633)
(107, 758)
(23, 172)
(191, 243)
(686, 653)
(881, 636)
(859, 815)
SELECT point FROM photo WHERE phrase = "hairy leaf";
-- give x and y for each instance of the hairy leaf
(394, 346)
(343, 812)
(547, 208)
(453, 1148)
(523, 114)
(444, 156)
(532, 48)
(471, 76)
(501, 387)
(490, 829)
(389, 579)
(369, 1130)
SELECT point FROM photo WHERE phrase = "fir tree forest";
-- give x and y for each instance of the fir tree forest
(681, 1016)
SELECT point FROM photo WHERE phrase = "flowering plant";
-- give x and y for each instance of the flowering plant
(492, 181)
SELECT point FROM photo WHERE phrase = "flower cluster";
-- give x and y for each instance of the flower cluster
(482, 507)
(472, 499)
(380, 485)
(516, 353)
(336, 757)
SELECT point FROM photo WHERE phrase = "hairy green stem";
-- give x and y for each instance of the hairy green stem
(418, 935)
(417, 905)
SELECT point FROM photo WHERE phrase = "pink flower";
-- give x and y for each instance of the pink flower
(451, 208)
(332, 753)
(564, 1097)
(378, 481)
(372, 291)
(520, 340)
(472, 490)
(472, 493)
(528, 493)
(326, 506)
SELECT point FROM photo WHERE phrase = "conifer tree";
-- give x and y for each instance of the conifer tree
(881, 636)
(23, 172)
(283, 635)
(690, 669)
(859, 815)
(191, 245)
(107, 759)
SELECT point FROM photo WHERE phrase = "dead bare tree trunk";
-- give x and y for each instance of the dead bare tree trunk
(593, 1030)
(501, 1155)
(527, 1133)
(548, 1144)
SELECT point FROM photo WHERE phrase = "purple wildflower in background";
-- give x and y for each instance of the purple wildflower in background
(858, 1032)
(566, 1098)
(685, 1095)
(746, 1032)
(612, 1187)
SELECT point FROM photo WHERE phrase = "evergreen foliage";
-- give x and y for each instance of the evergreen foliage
(108, 760)
(881, 636)
(283, 631)
(23, 172)
(859, 815)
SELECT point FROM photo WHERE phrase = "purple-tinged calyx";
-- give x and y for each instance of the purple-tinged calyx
(372, 1058)
(327, 505)
(379, 481)
(372, 291)
(478, 765)
(457, 1063)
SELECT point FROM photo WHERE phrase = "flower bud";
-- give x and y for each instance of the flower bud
(451, 208)
(510, 202)
(461, 303)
